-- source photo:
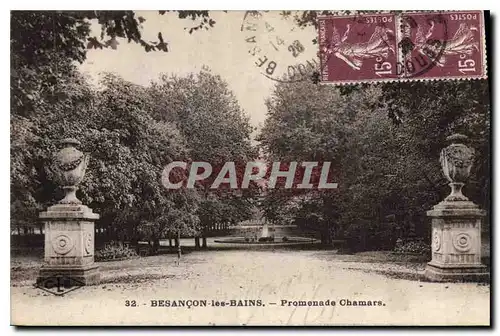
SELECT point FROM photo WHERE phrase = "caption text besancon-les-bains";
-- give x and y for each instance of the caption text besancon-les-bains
(260, 303)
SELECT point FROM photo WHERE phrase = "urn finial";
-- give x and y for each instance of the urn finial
(456, 161)
(69, 167)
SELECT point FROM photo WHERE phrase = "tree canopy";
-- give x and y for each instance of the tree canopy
(217, 131)
(385, 168)
(383, 139)
(45, 45)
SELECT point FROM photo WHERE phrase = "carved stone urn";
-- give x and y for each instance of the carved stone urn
(456, 221)
(69, 168)
(456, 161)
(69, 225)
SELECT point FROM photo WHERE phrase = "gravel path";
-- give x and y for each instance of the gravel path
(270, 276)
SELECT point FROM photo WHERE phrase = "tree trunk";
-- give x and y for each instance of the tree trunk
(170, 241)
(134, 242)
(155, 246)
(204, 242)
(197, 242)
(323, 238)
(176, 242)
(179, 250)
(326, 238)
(363, 240)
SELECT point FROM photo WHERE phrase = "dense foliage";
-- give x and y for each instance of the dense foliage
(114, 251)
(216, 131)
(383, 139)
(388, 172)
(45, 45)
(131, 132)
(131, 137)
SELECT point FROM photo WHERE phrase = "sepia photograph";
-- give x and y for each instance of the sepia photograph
(250, 168)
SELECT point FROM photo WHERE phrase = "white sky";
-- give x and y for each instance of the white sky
(223, 48)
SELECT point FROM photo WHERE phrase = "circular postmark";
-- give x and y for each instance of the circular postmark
(423, 40)
(280, 49)
(362, 46)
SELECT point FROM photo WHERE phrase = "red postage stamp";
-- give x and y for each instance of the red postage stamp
(356, 48)
(403, 46)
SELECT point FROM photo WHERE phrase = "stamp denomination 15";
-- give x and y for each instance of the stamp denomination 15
(402, 46)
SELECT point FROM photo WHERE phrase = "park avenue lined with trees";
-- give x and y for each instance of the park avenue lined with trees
(98, 239)
(385, 140)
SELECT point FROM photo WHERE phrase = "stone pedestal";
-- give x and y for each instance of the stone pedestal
(456, 243)
(69, 245)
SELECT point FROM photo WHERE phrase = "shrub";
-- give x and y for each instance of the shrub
(114, 251)
(266, 239)
(284, 239)
(412, 246)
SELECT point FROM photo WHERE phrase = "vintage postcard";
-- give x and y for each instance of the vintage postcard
(250, 168)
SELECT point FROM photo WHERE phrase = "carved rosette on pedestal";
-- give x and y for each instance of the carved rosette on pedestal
(456, 222)
(69, 225)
